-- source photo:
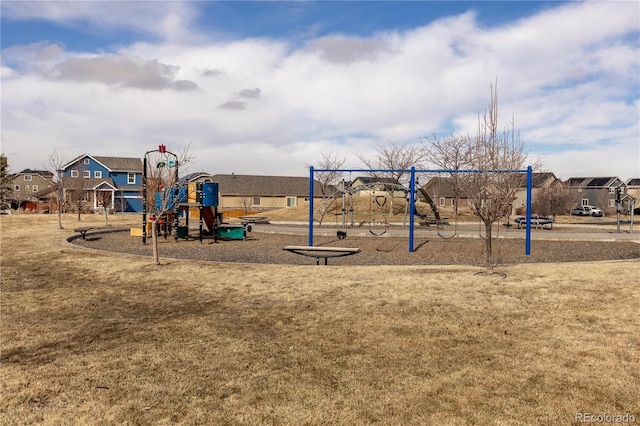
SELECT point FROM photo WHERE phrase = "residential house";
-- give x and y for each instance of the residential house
(597, 191)
(94, 182)
(261, 193)
(441, 191)
(540, 182)
(30, 189)
(369, 185)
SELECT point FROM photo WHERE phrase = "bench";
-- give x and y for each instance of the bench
(83, 231)
(537, 221)
(322, 252)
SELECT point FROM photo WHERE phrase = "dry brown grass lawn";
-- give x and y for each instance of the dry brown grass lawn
(99, 338)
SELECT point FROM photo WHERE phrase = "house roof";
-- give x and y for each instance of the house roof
(121, 164)
(44, 173)
(250, 185)
(633, 182)
(441, 187)
(592, 182)
(539, 179)
(368, 180)
(191, 177)
(114, 164)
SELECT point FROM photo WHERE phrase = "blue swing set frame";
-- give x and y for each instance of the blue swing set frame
(412, 189)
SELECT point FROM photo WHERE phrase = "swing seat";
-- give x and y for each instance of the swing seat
(322, 252)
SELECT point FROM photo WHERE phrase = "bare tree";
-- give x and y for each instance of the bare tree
(76, 193)
(104, 199)
(553, 201)
(328, 181)
(492, 154)
(449, 153)
(56, 161)
(397, 158)
(162, 185)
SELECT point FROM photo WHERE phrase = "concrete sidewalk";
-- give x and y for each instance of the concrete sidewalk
(467, 230)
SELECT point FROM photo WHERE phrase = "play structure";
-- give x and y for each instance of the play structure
(174, 203)
(412, 198)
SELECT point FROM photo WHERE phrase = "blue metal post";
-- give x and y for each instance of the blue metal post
(311, 205)
(412, 190)
(527, 250)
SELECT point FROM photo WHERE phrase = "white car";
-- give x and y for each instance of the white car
(587, 211)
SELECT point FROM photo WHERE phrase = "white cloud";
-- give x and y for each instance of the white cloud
(170, 21)
(265, 107)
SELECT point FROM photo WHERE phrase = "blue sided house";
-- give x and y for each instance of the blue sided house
(92, 183)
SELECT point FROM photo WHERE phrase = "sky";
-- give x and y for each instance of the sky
(269, 88)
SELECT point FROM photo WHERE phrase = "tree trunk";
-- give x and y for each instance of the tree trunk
(487, 243)
(154, 241)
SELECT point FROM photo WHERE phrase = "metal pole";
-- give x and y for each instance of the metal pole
(412, 203)
(618, 208)
(527, 250)
(144, 199)
(310, 205)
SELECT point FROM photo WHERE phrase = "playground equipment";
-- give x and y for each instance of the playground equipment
(204, 200)
(412, 188)
(537, 221)
(172, 201)
(166, 160)
(322, 252)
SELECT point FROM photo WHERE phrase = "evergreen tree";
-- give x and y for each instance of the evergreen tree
(5, 183)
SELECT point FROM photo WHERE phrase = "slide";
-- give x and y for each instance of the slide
(431, 203)
(209, 217)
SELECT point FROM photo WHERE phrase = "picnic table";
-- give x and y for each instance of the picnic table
(322, 252)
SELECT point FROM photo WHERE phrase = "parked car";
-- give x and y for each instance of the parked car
(587, 211)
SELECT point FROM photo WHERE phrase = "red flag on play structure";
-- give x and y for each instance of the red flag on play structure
(162, 149)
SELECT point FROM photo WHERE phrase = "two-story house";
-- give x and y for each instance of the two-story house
(92, 183)
(541, 182)
(29, 186)
(597, 191)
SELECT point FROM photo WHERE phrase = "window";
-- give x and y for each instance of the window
(74, 173)
(442, 201)
(86, 174)
(256, 201)
(612, 190)
(131, 178)
(16, 188)
(28, 177)
(86, 161)
(26, 188)
(584, 202)
(34, 188)
(97, 174)
(612, 202)
(291, 201)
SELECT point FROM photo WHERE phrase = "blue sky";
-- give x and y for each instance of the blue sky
(268, 87)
